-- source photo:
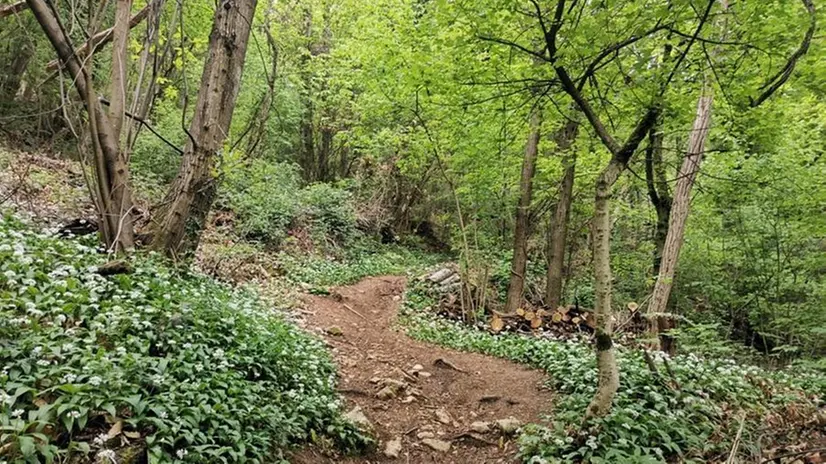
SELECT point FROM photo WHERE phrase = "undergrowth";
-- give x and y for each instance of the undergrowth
(690, 414)
(365, 259)
(182, 368)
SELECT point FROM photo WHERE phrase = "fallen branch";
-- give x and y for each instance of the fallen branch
(349, 308)
(445, 364)
(794, 454)
(9, 10)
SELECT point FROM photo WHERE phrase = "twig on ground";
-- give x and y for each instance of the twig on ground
(350, 308)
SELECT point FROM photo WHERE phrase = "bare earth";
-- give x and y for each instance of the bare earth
(369, 347)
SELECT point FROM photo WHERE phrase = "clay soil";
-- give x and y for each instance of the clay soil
(358, 323)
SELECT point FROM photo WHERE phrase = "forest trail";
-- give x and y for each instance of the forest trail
(440, 402)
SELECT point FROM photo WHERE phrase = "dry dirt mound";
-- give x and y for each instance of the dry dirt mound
(419, 396)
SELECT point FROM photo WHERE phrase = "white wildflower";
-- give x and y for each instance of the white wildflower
(95, 381)
(17, 413)
(107, 454)
(181, 453)
(101, 439)
(74, 414)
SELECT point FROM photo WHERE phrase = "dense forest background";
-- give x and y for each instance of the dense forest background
(653, 169)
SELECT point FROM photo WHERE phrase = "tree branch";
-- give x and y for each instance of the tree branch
(587, 110)
(103, 37)
(783, 75)
(515, 45)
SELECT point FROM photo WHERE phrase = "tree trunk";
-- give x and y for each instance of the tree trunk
(324, 152)
(114, 195)
(11, 83)
(117, 93)
(608, 371)
(558, 231)
(658, 192)
(679, 214)
(520, 235)
(184, 210)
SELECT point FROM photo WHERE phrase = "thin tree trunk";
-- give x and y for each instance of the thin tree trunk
(183, 212)
(558, 231)
(111, 171)
(520, 235)
(608, 371)
(324, 152)
(679, 213)
(658, 192)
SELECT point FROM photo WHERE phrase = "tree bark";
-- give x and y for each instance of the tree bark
(117, 93)
(183, 212)
(11, 82)
(679, 214)
(520, 235)
(558, 231)
(608, 371)
(114, 200)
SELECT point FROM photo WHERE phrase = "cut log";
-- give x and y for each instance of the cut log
(440, 275)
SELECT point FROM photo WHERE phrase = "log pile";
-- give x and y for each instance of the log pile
(563, 320)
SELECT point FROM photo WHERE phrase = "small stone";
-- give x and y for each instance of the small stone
(386, 393)
(356, 416)
(442, 416)
(508, 426)
(480, 427)
(424, 374)
(408, 399)
(335, 331)
(375, 380)
(393, 448)
(438, 445)
(396, 298)
(424, 434)
(417, 368)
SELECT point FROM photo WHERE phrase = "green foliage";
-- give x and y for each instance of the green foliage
(362, 260)
(204, 373)
(264, 196)
(691, 417)
(328, 212)
(270, 203)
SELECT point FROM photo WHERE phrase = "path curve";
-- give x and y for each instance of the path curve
(367, 346)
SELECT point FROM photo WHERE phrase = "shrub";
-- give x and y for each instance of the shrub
(264, 197)
(690, 417)
(192, 370)
(328, 212)
(270, 203)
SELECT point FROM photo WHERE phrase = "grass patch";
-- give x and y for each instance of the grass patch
(192, 370)
(692, 417)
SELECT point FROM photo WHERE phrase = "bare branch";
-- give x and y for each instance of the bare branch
(103, 37)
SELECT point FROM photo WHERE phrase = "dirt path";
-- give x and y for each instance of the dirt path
(368, 348)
